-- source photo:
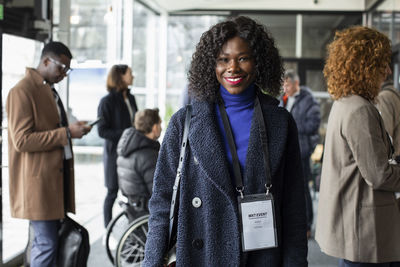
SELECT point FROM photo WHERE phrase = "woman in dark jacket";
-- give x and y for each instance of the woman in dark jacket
(235, 71)
(137, 157)
(117, 111)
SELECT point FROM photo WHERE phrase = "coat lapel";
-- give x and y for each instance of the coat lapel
(206, 143)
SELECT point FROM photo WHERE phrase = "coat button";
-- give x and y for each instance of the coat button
(195, 161)
(196, 202)
(197, 244)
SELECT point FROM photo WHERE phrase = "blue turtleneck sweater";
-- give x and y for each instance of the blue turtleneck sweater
(240, 109)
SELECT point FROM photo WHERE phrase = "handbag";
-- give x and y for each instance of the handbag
(73, 244)
(170, 257)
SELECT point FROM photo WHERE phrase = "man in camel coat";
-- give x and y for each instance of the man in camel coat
(40, 152)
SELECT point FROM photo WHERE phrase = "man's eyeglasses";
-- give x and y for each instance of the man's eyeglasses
(61, 66)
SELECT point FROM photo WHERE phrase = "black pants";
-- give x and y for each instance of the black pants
(309, 205)
(346, 263)
(108, 205)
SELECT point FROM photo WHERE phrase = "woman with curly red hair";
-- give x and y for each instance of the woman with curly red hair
(358, 216)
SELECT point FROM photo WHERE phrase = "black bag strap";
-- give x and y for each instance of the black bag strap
(264, 141)
(175, 194)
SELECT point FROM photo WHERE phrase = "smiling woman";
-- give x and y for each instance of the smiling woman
(235, 66)
(241, 145)
(262, 52)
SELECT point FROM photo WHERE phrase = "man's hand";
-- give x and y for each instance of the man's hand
(79, 128)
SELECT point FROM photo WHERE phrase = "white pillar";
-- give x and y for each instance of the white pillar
(111, 18)
(162, 67)
(151, 40)
(64, 37)
(299, 35)
(127, 32)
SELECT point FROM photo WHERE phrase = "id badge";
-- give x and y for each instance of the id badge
(257, 219)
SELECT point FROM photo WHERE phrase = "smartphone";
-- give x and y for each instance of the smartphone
(94, 122)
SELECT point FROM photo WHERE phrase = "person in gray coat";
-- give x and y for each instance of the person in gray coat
(388, 104)
(137, 157)
(235, 72)
(299, 101)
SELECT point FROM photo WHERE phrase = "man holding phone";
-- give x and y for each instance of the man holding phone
(40, 152)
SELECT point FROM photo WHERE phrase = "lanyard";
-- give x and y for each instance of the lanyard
(264, 140)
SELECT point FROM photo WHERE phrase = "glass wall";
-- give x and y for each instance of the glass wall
(90, 20)
(283, 28)
(144, 55)
(183, 35)
(386, 18)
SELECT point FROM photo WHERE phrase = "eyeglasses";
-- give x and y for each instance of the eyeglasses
(61, 66)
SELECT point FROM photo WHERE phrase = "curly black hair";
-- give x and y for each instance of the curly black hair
(203, 83)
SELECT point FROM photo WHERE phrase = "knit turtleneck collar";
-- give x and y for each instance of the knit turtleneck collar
(244, 98)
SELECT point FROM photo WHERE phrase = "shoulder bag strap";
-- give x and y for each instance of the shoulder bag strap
(264, 142)
(175, 197)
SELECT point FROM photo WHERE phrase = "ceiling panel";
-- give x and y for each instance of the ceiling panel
(293, 5)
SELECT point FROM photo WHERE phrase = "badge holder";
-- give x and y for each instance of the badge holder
(257, 219)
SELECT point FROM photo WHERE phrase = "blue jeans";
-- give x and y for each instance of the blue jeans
(346, 263)
(45, 243)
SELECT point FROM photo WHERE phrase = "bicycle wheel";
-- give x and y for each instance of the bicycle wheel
(130, 249)
(115, 230)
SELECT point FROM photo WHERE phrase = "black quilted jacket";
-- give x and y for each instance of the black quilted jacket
(136, 162)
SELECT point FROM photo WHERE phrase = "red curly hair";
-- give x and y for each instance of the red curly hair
(357, 58)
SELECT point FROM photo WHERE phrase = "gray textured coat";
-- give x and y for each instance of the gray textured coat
(389, 106)
(209, 235)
